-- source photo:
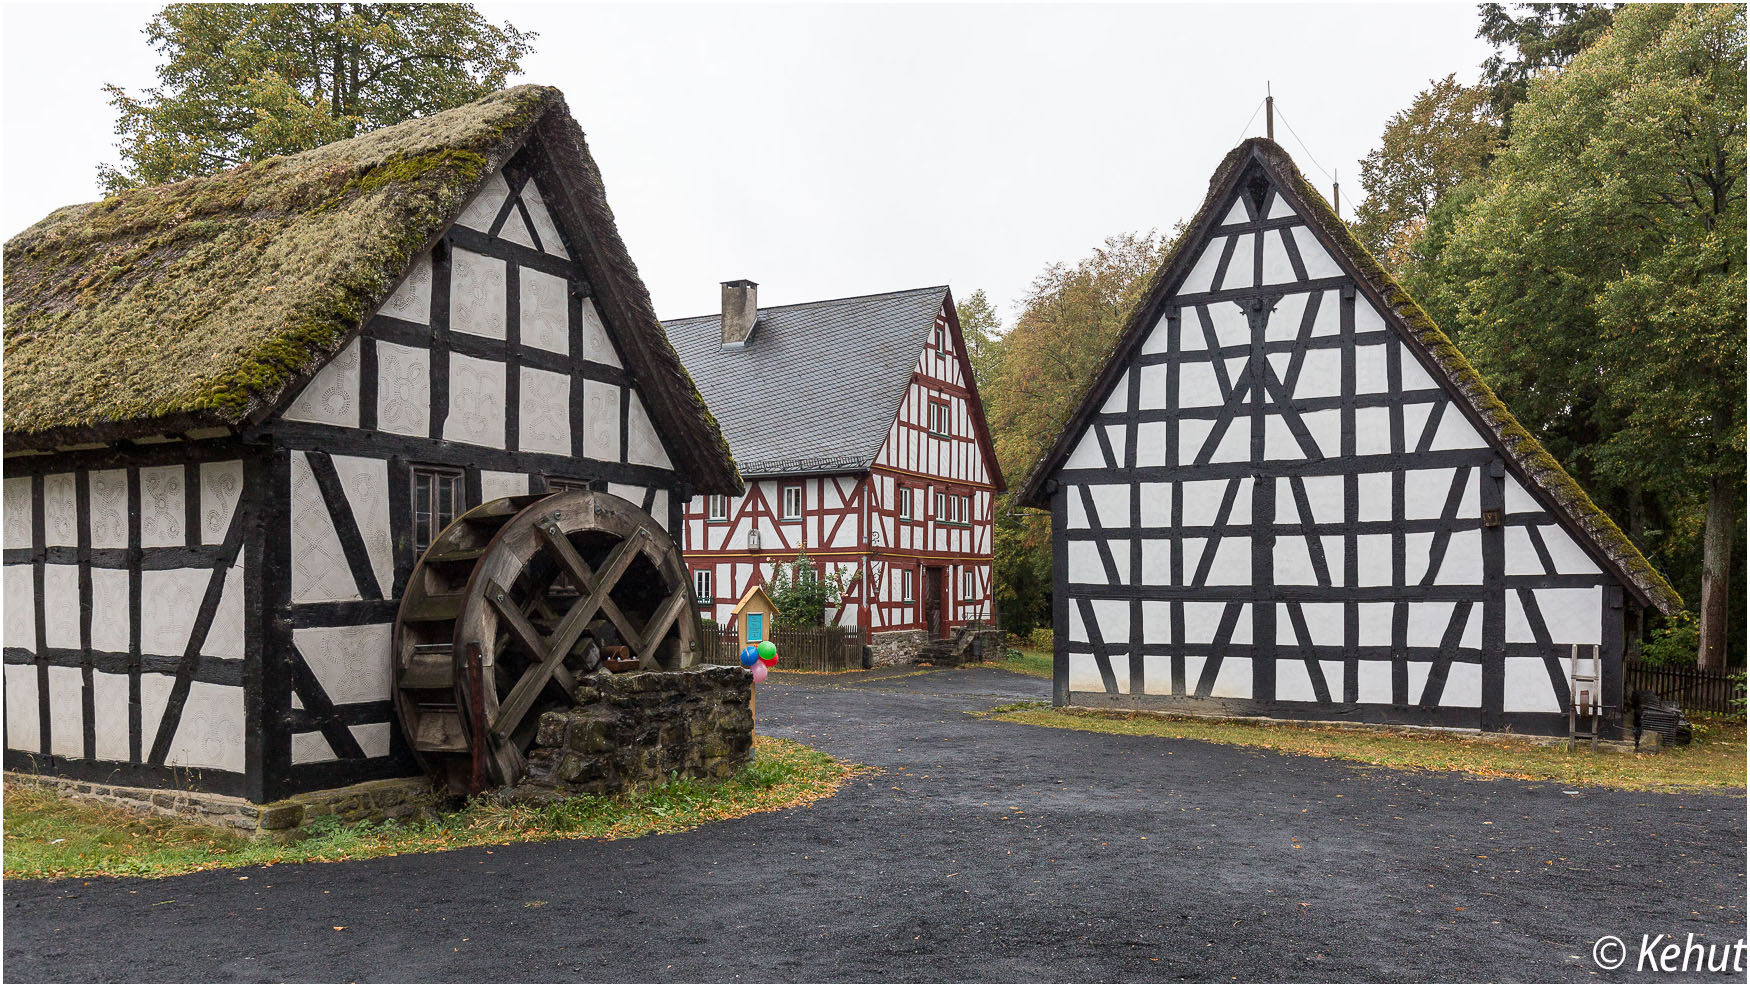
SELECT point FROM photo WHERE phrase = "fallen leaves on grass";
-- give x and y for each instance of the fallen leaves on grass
(49, 835)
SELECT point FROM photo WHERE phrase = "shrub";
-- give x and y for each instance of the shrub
(1676, 643)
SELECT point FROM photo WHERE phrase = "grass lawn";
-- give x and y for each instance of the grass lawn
(51, 836)
(1716, 760)
(1034, 663)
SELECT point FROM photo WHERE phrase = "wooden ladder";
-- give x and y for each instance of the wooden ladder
(1585, 704)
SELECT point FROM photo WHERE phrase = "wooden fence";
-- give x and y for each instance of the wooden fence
(1686, 685)
(803, 649)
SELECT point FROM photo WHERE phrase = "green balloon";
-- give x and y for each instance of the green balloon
(768, 650)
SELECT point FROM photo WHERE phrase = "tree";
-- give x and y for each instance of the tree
(242, 82)
(1071, 320)
(1598, 275)
(1444, 139)
(982, 328)
(1545, 36)
(800, 594)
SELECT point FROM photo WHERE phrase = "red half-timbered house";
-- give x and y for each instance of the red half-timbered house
(857, 425)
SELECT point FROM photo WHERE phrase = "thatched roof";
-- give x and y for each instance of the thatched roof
(203, 303)
(1525, 456)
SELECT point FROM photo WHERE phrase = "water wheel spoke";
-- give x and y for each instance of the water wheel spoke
(585, 578)
(660, 622)
(522, 697)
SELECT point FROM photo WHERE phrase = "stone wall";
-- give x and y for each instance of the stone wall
(634, 729)
(394, 798)
(896, 647)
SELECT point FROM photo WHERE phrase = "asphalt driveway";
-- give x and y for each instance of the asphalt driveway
(983, 851)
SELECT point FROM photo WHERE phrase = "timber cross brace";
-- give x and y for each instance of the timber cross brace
(511, 606)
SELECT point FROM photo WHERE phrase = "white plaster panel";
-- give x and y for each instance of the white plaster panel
(18, 512)
(643, 445)
(1326, 429)
(1518, 501)
(372, 738)
(1318, 263)
(1151, 393)
(319, 568)
(1415, 419)
(61, 606)
(516, 231)
(1279, 440)
(1373, 624)
(352, 663)
(1111, 504)
(1193, 672)
(1334, 674)
(477, 294)
(1329, 320)
(1202, 501)
(1234, 445)
(476, 402)
(1373, 496)
(1373, 555)
(1572, 616)
(544, 412)
(1151, 444)
(1285, 318)
(1202, 619)
(1464, 686)
(1428, 622)
(60, 510)
(210, 734)
(1158, 338)
(1078, 516)
(1372, 431)
(1232, 328)
(593, 337)
(494, 484)
(1119, 399)
(1373, 682)
(22, 732)
(221, 486)
(1425, 492)
(1087, 454)
(1568, 556)
(109, 703)
(1321, 374)
(1279, 208)
(1232, 565)
(1277, 267)
(1084, 673)
(154, 695)
(1292, 563)
(1116, 436)
(411, 301)
(225, 638)
(66, 711)
(170, 600)
(601, 421)
(1234, 679)
(1204, 270)
(1157, 561)
(109, 610)
(546, 322)
(483, 209)
(21, 607)
(311, 748)
(1454, 432)
(659, 511)
(1198, 386)
(1522, 557)
(1367, 318)
(551, 241)
(1293, 682)
(1157, 622)
(1527, 687)
(1236, 214)
(1416, 673)
(1415, 377)
(1370, 370)
(403, 389)
(332, 395)
(1239, 266)
(1157, 504)
(1463, 564)
(161, 512)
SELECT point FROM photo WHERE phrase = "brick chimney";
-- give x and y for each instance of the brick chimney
(740, 311)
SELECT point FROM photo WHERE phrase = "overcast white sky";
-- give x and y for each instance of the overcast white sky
(838, 150)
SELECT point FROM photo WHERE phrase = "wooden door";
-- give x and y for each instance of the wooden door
(933, 600)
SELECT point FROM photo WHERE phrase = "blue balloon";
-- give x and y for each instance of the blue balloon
(749, 656)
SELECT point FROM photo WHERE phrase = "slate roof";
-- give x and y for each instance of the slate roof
(204, 303)
(816, 387)
(1544, 477)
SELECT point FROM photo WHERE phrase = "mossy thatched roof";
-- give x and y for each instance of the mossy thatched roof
(202, 303)
(1526, 457)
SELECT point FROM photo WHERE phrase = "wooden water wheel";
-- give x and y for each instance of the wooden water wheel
(510, 605)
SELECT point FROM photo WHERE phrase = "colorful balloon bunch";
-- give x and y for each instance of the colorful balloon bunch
(759, 657)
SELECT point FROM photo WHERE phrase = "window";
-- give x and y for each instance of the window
(906, 585)
(939, 417)
(968, 585)
(702, 587)
(965, 510)
(556, 484)
(717, 507)
(753, 539)
(905, 507)
(941, 506)
(437, 500)
(792, 503)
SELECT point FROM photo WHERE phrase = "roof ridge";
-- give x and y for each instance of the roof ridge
(822, 301)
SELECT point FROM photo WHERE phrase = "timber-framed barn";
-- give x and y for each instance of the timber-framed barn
(859, 427)
(1287, 494)
(239, 408)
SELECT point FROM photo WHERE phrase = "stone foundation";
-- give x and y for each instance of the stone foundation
(896, 647)
(635, 729)
(395, 798)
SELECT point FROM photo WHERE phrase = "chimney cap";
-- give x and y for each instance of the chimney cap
(741, 283)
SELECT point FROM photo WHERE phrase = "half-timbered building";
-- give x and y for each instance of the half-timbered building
(1287, 494)
(858, 426)
(239, 408)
